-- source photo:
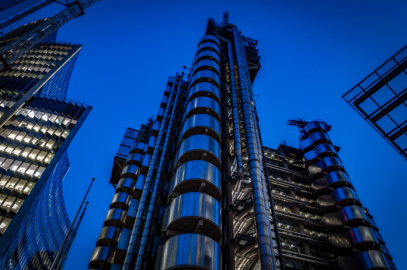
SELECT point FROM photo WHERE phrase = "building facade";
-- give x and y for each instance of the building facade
(380, 99)
(37, 125)
(200, 191)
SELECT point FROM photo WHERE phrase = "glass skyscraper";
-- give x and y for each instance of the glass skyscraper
(380, 99)
(199, 190)
(37, 125)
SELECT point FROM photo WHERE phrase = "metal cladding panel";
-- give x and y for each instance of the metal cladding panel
(208, 44)
(109, 234)
(327, 163)
(314, 126)
(209, 54)
(191, 250)
(373, 259)
(314, 169)
(130, 171)
(139, 147)
(147, 158)
(360, 235)
(352, 212)
(202, 120)
(141, 179)
(314, 139)
(344, 194)
(336, 177)
(124, 239)
(206, 64)
(206, 75)
(136, 158)
(126, 184)
(204, 88)
(133, 207)
(196, 170)
(187, 210)
(210, 37)
(115, 216)
(199, 143)
(121, 199)
(319, 150)
(203, 103)
(100, 255)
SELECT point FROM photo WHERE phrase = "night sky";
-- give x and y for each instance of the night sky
(312, 52)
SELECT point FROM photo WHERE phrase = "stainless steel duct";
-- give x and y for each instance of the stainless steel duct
(146, 189)
(154, 195)
(262, 219)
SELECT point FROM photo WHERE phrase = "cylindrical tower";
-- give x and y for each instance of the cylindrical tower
(192, 219)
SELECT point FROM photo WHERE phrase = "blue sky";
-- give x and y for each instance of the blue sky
(311, 52)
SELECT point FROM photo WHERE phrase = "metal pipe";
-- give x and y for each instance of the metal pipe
(266, 253)
(236, 130)
(154, 195)
(146, 189)
(70, 228)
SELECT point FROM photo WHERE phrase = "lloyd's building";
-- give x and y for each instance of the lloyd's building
(198, 190)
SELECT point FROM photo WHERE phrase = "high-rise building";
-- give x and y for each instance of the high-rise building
(37, 125)
(200, 191)
(380, 99)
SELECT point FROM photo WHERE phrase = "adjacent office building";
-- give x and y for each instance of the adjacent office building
(37, 125)
(381, 99)
(199, 190)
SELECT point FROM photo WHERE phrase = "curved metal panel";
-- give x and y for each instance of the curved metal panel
(121, 200)
(101, 256)
(353, 214)
(139, 147)
(194, 212)
(321, 150)
(314, 139)
(109, 236)
(210, 38)
(345, 196)
(330, 163)
(208, 45)
(209, 54)
(140, 181)
(373, 259)
(135, 158)
(337, 178)
(193, 146)
(314, 169)
(126, 185)
(204, 89)
(206, 64)
(130, 171)
(314, 126)
(115, 217)
(189, 251)
(201, 124)
(190, 176)
(362, 237)
(206, 76)
(202, 105)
